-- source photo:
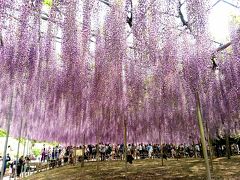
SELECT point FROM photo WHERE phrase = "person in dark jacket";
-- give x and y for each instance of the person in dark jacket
(20, 165)
(5, 164)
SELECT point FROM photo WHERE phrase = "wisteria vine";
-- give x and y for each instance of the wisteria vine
(103, 77)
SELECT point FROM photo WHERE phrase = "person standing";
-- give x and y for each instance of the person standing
(53, 153)
(4, 164)
(140, 150)
(43, 153)
(20, 165)
(150, 150)
(56, 152)
(26, 164)
(1, 164)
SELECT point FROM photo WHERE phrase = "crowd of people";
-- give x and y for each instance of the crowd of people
(137, 151)
(50, 153)
(15, 166)
(68, 154)
(141, 151)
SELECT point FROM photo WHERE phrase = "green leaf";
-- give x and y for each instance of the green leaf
(48, 2)
(2, 133)
(36, 152)
(235, 19)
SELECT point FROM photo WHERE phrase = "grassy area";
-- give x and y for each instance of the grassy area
(145, 169)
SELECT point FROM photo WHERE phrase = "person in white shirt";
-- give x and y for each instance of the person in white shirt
(150, 150)
(140, 150)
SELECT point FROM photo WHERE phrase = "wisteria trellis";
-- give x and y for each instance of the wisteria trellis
(104, 77)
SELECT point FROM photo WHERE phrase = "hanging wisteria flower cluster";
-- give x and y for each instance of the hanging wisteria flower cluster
(78, 73)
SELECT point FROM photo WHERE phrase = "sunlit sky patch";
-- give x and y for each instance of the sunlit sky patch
(220, 17)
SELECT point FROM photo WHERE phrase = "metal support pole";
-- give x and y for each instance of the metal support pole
(210, 148)
(7, 136)
(97, 147)
(201, 128)
(20, 132)
(97, 154)
(24, 147)
(82, 163)
(125, 144)
(27, 148)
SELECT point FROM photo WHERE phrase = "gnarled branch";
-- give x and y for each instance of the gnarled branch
(1, 39)
(180, 14)
(222, 47)
(129, 19)
(105, 2)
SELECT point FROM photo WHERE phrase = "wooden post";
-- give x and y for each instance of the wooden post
(162, 153)
(201, 129)
(9, 120)
(227, 134)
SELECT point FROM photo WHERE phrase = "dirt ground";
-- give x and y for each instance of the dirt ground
(187, 168)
